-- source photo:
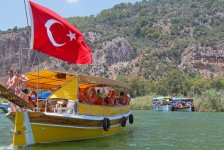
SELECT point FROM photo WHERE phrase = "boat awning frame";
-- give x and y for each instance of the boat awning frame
(52, 80)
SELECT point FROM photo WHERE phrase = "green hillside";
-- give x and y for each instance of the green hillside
(160, 30)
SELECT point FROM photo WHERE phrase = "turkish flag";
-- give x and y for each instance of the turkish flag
(53, 35)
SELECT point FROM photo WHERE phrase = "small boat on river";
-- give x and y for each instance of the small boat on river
(162, 104)
(182, 104)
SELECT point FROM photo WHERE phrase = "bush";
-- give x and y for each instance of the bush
(144, 102)
(210, 100)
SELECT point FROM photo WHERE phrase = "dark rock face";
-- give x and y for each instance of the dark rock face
(117, 50)
(209, 62)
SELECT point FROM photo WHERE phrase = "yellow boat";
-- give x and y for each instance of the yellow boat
(82, 118)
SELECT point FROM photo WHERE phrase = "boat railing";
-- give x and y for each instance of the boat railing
(71, 108)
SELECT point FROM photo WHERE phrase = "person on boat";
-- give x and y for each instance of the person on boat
(82, 97)
(127, 99)
(111, 97)
(179, 105)
(61, 104)
(121, 98)
(117, 102)
(10, 81)
(8, 84)
(106, 100)
(12, 85)
(99, 98)
(23, 82)
(183, 104)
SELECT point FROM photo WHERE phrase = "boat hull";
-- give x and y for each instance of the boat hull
(184, 109)
(47, 133)
(38, 127)
(162, 107)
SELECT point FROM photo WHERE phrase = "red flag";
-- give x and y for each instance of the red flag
(53, 35)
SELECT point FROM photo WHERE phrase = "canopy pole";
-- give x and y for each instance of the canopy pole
(77, 102)
(38, 76)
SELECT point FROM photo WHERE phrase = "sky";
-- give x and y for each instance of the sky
(12, 12)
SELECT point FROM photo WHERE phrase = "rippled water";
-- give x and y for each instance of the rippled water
(151, 130)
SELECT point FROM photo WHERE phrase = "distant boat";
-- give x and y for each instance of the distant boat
(182, 104)
(162, 104)
(4, 107)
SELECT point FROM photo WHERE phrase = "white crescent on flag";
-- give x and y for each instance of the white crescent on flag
(48, 25)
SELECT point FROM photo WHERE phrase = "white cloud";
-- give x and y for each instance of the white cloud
(72, 1)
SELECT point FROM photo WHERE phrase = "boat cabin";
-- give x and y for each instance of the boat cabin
(182, 104)
(57, 92)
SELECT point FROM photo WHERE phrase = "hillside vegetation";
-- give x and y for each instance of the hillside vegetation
(160, 31)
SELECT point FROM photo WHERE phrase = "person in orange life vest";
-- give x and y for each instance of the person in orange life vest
(82, 97)
(111, 97)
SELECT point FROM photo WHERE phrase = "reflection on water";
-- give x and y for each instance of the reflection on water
(151, 130)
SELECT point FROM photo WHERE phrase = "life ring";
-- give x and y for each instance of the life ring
(106, 124)
(111, 96)
(123, 121)
(131, 118)
(91, 95)
(35, 95)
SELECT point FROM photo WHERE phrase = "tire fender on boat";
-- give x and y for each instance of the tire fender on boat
(106, 124)
(123, 121)
(131, 118)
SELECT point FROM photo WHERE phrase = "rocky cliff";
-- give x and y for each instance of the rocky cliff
(208, 61)
(15, 54)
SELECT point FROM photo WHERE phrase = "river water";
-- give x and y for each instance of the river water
(150, 131)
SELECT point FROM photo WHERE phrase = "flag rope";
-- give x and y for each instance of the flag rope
(26, 13)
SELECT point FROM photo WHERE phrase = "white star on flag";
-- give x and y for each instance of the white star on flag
(72, 36)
